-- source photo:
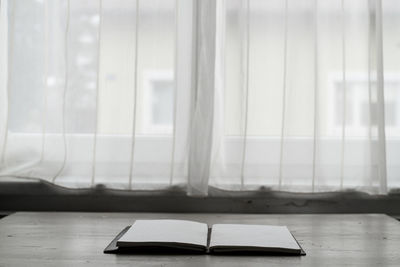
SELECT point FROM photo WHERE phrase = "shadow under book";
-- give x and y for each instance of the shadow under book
(189, 237)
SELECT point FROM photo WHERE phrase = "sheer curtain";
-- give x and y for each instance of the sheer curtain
(288, 95)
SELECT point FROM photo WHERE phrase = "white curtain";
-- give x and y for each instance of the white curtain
(291, 95)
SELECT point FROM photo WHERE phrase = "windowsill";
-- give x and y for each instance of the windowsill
(32, 195)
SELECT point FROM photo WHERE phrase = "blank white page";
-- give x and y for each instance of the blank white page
(165, 231)
(261, 236)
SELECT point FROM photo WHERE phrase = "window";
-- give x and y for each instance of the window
(361, 106)
(110, 93)
(158, 102)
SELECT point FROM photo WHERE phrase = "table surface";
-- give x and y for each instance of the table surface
(78, 239)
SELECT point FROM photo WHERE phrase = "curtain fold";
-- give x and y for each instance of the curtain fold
(289, 95)
(203, 79)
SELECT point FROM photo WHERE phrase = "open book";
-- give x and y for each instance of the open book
(189, 236)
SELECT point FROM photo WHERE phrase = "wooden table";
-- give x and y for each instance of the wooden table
(78, 239)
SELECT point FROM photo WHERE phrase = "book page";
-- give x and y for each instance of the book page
(253, 236)
(144, 232)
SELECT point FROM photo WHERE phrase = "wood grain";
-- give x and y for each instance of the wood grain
(78, 239)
